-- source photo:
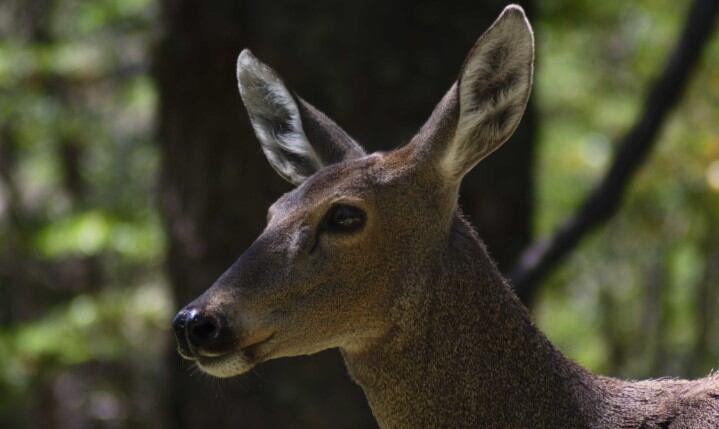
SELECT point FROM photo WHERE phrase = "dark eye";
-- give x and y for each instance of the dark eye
(344, 218)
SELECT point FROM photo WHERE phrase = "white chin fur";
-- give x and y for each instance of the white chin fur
(225, 366)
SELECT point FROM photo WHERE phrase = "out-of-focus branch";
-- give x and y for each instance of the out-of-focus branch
(8, 160)
(541, 258)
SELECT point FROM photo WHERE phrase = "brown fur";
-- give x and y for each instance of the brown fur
(425, 322)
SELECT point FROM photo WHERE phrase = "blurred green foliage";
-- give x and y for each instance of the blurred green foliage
(85, 307)
(638, 298)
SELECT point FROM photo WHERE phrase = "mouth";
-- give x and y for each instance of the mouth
(235, 362)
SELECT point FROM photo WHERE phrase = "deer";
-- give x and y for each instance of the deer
(370, 254)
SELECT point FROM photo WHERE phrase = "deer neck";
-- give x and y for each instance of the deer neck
(464, 353)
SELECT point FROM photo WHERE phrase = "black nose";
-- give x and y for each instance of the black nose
(197, 332)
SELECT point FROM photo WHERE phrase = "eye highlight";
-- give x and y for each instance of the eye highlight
(343, 218)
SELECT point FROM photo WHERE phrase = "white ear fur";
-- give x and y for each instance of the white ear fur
(493, 91)
(276, 120)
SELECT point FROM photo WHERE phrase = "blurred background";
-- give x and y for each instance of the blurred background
(130, 179)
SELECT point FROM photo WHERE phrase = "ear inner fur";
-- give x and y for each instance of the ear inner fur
(276, 120)
(297, 139)
(493, 89)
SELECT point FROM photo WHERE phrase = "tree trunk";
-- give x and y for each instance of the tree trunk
(377, 68)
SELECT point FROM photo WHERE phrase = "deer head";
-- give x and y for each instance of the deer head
(334, 262)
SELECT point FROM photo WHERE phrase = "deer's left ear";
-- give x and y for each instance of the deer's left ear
(482, 110)
(297, 139)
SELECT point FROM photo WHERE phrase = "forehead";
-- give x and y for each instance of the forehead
(349, 178)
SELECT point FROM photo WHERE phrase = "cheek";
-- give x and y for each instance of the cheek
(335, 269)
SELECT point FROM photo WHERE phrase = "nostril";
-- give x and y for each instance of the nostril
(201, 330)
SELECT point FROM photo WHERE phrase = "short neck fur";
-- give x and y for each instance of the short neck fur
(469, 356)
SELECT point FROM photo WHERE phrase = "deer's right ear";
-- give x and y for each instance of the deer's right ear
(297, 139)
